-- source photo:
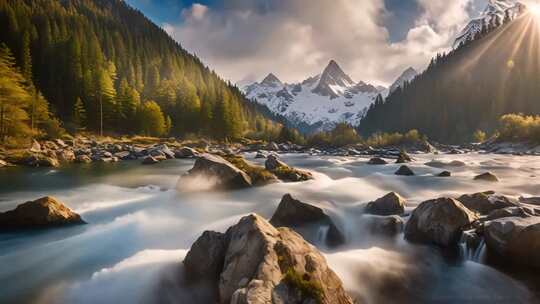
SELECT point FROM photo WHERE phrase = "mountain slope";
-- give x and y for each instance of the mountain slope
(493, 15)
(101, 58)
(317, 103)
(407, 76)
(469, 88)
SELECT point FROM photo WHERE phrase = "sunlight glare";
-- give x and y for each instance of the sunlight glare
(534, 9)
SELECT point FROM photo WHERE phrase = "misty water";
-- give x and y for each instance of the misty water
(140, 228)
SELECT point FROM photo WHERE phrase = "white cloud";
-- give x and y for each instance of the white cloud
(246, 39)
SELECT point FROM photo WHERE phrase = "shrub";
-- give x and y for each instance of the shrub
(519, 127)
(302, 283)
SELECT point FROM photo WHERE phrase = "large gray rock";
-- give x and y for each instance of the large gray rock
(390, 204)
(284, 172)
(515, 239)
(442, 164)
(38, 160)
(219, 171)
(377, 161)
(41, 213)
(295, 214)
(440, 221)
(530, 200)
(403, 158)
(510, 212)
(255, 263)
(485, 202)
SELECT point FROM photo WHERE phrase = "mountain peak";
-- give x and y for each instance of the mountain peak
(271, 80)
(333, 81)
(407, 76)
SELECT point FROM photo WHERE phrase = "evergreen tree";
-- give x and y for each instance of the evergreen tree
(151, 119)
(79, 114)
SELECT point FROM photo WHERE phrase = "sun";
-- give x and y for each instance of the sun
(534, 9)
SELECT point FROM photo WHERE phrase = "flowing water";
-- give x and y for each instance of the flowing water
(140, 228)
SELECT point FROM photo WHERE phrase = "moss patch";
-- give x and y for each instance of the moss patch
(287, 173)
(303, 284)
(259, 175)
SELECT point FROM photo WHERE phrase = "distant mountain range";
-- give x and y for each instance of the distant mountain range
(321, 101)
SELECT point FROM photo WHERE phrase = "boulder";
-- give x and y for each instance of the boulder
(442, 164)
(272, 146)
(404, 171)
(150, 160)
(390, 204)
(440, 221)
(65, 156)
(485, 202)
(284, 172)
(36, 147)
(38, 160)
(186, 152)
(260, 155)
(389, 226)
(83, 159)
(60, 143)
(255, 263)
(3, 163)
(510, 212)
(377, 161)
(295, 214)
(125, 155)
(223, 174)
(530, 200)
(403, 158)
(488, 177)
(272, 163)
(444, 174)
(41, 213)
(515, 239)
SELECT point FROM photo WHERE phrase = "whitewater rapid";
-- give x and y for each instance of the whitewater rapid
(140, 228)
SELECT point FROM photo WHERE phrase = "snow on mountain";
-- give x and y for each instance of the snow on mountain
(319, 102)
(495, 10)
(407, 76)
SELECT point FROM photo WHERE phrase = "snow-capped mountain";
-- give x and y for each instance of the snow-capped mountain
(407, 76)
(495, 10)
(319, 102)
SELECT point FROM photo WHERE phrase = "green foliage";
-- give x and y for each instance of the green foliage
(479, 136)
(467, 89)
(259, 175)
(79, 115)
(290, 135)
(412, 137)
(151, 119)
(302, 283)
(342, 135)
(519, 128)
(111, 58)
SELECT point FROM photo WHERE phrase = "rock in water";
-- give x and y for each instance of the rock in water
(272, 163)
(41, 213)
(150, 160)
(445, 174)
(284, 172)
(255, 263)
(404, 171)
(186, 152)
(515, 239)
(377, 161)
(485, 202)
(510, 212)
(403, 158)
(390, 204)
(388, 226)
(293, 213)
(488, 177)
(440, 221)
(220, 173)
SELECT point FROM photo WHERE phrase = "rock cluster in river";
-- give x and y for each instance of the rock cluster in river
(254, 262)
(41, 213)
(390, 204)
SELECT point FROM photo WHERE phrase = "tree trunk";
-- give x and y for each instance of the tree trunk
(2, 135)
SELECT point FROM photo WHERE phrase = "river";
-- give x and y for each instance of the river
(140, 228)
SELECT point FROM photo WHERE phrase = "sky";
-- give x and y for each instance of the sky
(372, 40)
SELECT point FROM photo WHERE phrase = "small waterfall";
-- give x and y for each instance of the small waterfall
(322, 234)
(472, 246)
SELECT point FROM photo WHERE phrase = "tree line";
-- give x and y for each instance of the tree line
(102, 66)
(493, 73)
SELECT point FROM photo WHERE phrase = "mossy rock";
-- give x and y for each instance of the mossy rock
(286, 173)
(301, 283)
(259, 175)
